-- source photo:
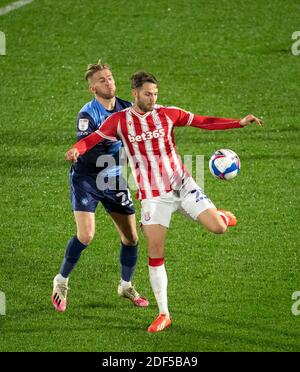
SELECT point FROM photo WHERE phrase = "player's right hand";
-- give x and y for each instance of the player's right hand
(251, 119)
(72, 154)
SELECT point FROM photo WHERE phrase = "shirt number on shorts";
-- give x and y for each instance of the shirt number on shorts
(125, 198)
(199, 196)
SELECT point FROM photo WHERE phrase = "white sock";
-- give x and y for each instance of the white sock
(125, 284)
(159, 283)
(61, 279)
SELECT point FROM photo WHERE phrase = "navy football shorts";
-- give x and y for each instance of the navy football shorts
(85, 194)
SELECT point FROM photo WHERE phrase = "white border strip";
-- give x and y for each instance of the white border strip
(15, 5)
(2, 303)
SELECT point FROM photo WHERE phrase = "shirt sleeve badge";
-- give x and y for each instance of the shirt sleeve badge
(83, 124)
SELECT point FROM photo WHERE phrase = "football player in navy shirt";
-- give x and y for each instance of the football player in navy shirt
(96, 177)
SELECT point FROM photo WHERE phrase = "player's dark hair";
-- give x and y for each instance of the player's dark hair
(93, 68)
(141, 77)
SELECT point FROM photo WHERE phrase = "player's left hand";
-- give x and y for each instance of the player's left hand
(72, 154)
(250, 119)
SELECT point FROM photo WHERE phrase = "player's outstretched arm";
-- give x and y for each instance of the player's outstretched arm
(108, 131)
(249, 119)
(214, 123)
(183, 118)
(84, 145)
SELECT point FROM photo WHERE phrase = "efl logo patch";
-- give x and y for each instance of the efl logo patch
(83, 124)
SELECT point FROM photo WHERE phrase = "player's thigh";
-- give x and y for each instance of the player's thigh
(211, 219)
(85, 222)
(158, 210)
(83, 193)
(194, 203)
(126, 227)
(118, 204)
(156, 216)
(200, 208)
(155, 236)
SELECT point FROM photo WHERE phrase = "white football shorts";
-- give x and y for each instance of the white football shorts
(190, 200)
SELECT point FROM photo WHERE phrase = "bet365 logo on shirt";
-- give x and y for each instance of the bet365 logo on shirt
(296, 305)
(145, 136)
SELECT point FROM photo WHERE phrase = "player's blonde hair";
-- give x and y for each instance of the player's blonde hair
(95, 67)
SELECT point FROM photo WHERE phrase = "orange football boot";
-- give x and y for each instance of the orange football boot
(160, 323)
(230, 217)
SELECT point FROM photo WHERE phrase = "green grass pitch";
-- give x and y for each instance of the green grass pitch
(222, 58)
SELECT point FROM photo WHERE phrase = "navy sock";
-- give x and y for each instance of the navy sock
(72, 255)
(128, 259)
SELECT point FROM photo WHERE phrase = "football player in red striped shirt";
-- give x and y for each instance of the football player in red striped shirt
(164, 185)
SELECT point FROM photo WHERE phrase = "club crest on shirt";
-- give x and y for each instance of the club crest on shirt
(147, 216)
(83, 124)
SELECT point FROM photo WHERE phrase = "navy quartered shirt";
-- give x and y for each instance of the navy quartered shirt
(89, 119)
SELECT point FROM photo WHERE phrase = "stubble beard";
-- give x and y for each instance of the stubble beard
(143, 107)
(103, 95)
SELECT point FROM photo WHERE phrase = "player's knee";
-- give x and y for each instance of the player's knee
(219, 228)
(131, 238)
(86, 237)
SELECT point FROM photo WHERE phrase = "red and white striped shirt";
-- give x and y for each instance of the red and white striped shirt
(149, 144)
